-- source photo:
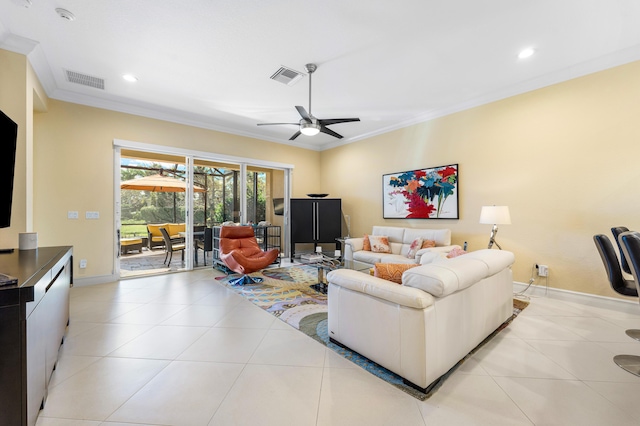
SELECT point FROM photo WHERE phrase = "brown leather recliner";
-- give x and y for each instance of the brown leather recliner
(240, 251)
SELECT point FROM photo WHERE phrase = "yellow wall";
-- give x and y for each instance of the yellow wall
(74, 171)
(14, 102)
(563, 158)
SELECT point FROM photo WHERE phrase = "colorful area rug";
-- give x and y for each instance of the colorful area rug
(286, 293)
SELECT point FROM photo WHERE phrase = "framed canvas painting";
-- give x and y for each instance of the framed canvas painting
(421, 194)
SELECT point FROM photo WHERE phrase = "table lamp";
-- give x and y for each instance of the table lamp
(496, 215)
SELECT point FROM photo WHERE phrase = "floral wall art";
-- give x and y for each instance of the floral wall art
(421, 194)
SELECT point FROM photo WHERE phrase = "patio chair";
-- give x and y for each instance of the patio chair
(171, 246)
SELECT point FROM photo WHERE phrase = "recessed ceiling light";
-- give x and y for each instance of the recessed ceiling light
(525, 53)
(130, 78)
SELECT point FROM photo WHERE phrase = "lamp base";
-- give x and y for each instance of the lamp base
(492, 237)
(492, 242)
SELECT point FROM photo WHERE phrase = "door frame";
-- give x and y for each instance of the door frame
(190, 155)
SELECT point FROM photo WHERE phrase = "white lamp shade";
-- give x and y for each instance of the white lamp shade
(495, 215)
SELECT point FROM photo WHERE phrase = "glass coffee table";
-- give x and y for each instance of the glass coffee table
(327, 264)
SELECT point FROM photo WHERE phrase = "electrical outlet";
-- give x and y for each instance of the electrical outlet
(543, 270)
(83, 263)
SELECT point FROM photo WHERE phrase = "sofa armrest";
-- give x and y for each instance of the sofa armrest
(356, 244)
(447, 276)
(379, 288)
(352, 245)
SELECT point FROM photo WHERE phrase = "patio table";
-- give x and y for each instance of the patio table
(197, 236)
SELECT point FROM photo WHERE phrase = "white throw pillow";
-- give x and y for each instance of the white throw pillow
(379, 244)
(414, 247)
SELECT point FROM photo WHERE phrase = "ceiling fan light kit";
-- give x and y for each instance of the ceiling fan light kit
(309, 129)
(310, 125)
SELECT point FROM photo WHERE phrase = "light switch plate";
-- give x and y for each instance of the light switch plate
(92, 215)
(72, 214)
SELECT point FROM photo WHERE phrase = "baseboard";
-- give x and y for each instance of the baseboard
(629, 306)
(100, 279)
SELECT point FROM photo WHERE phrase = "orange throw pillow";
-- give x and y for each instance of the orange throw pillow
(391, 271)
(428, 243)
(366, 245)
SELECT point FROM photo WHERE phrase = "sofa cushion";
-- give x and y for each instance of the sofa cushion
(391, 271)
(496, 260)
(367, 256)
(442, 278)
(379, 244)
(395, 258)
(442, 237)
(393, 233)
(174, 229)
(397, 248)
(382, 289)
(154, 229)
(432, 256)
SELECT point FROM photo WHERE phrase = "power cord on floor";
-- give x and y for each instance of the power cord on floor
(532, 281)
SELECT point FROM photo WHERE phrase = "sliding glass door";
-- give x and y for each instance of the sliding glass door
(204, 190)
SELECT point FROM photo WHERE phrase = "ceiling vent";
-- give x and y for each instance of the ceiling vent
(287, 76)
(85, 80)
(65, 14)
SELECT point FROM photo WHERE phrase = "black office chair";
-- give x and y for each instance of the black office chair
(616, 237)
(171, 246)
(630, 363)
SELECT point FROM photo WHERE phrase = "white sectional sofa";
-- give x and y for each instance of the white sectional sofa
(423, 327)
(400, 240)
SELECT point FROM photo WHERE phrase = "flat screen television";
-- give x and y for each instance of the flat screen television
(278, 206)
(8, 141)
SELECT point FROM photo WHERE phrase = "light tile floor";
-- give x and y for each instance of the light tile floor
(181, 349)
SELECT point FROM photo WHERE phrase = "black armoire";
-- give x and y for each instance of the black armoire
(315, 221)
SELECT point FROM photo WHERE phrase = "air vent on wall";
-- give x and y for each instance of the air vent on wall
(85, 80)
(287, 76)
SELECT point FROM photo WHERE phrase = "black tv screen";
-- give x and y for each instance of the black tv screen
(8, 141)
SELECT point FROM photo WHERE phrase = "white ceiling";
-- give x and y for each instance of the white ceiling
(391, 63)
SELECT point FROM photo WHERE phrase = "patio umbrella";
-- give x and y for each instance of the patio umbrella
(158, 183)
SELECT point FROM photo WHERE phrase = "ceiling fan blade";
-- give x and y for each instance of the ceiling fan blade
(295, 135)
(303, 113)
(330, 132)
(277, 124)
(329, 121)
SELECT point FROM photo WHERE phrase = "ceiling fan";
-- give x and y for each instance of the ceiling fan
(308, 124)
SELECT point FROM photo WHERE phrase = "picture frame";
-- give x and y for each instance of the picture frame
(429, 193)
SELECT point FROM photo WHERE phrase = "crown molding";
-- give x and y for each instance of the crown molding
(42, 69)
